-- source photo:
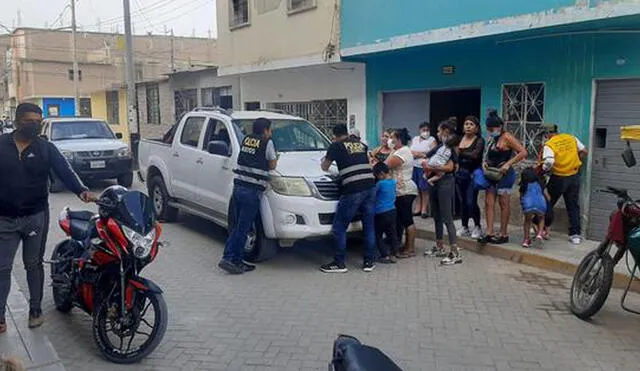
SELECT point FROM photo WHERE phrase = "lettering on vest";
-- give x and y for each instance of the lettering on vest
(566, 158)
(252, 169)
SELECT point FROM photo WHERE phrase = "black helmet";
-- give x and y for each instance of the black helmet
(109, 198)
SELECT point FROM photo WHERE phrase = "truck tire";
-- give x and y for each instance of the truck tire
(126, 180)
(258, 248)
(160, 198)
(55, 184)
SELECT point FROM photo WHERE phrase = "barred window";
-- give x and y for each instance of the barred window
(298, 5)
(217, 97)
(239, 13)
(113, 107)
(523, 113)
(153, 104)
(324, 114)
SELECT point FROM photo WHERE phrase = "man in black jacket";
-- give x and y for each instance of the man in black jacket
(26, 162)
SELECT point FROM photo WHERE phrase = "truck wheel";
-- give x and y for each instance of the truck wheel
(160, 198)
(56, 185)
(258, 247)
(126, 180)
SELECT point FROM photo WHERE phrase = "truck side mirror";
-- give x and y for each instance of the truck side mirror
(119, 135)
(218, 147)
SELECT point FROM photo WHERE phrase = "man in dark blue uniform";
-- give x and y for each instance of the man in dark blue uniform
(357, 195)
(26, 162)
(257, 157)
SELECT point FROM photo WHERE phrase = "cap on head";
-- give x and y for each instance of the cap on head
(550, 128)
(340, 130)
(24, 108)
(260, 125)
(355, 133)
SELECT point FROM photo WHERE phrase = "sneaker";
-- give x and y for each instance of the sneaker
(526, 243)
(538, 243)
(3, 326)
(463, 232)
(248, 267)
(368, 266)
(501, 240)
(435, 251)
(231, 267)
(36, 319)
(545, 233)
(452, 259)
(576, 239)
(476, 232)
(334, 267)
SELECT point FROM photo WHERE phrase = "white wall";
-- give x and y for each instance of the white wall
(335, 81)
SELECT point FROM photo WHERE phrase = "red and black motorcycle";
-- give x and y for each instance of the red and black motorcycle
(97, 270)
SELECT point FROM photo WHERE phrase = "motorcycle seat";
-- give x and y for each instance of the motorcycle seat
(82, 225)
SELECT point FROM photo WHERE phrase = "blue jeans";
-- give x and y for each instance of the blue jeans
(468, 194)
(348, 206)
(245, 205)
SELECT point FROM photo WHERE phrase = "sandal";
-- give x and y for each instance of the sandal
(387, 260)
(406, 255)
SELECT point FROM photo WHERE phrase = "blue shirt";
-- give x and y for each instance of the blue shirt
(385, 195)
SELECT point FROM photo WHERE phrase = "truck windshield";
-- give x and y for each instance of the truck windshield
(289, 135)
(81, 130)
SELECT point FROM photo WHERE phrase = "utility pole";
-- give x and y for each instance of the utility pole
(173, 67)
(74, 47)
(132, 110)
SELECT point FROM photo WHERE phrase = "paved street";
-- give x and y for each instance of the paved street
(485, 314)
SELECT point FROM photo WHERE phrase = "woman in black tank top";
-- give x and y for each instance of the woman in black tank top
(503, 151)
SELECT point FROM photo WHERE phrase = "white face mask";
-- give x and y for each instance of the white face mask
(424, 135)
(391, 143)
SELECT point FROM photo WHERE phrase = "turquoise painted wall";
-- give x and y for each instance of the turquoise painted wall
(567, 65)
(370, 21)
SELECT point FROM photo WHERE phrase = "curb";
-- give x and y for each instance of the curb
(522, 256)
(32, 346)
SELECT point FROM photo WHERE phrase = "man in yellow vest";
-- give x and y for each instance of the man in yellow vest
(562, 157)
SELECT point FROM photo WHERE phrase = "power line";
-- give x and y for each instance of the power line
(59, 17)
(137, 4)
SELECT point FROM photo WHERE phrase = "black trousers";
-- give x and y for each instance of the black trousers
(567, 187)
(386, 227)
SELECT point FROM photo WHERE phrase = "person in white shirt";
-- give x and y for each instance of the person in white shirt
(420, 146)
(562, 157)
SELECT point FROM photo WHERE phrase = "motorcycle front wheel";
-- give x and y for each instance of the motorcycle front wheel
(130, 339)
(591, 283)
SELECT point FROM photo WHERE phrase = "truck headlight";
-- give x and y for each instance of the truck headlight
(68, 155)
(123, 152)
(291, 186)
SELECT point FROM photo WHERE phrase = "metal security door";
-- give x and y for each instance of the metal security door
(617, 104)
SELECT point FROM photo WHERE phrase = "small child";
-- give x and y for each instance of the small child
(533, 199)
(385, 220)
(439, 158)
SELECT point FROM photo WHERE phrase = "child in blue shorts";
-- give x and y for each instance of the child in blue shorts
(533, 199)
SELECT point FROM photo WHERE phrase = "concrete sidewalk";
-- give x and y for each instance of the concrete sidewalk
(557, 255)
(31, 346)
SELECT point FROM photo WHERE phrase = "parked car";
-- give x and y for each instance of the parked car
(92, 149)
(194, 173)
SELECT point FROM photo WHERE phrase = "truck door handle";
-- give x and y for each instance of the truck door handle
(199, 161)
(175, 154)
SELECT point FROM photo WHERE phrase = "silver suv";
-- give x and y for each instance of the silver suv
(91, 147)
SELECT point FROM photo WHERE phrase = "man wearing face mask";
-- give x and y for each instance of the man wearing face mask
(27, 162)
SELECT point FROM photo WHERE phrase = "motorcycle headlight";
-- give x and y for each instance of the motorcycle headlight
(141, 244)
(290, 186)
(123, 152)
(68, 155)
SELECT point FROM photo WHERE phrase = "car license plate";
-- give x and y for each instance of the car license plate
(98, 164)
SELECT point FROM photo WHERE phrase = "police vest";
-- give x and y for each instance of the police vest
(253, 168)
(355, 170)
(565, 152)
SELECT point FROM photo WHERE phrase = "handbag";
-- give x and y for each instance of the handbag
(480, 182)
(493, 174)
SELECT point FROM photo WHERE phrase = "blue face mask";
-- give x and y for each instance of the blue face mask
(494, 134)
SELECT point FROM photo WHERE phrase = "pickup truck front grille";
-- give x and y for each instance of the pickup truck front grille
(95, 154)
(328, 189)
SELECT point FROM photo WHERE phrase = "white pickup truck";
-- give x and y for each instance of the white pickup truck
(193, 172)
